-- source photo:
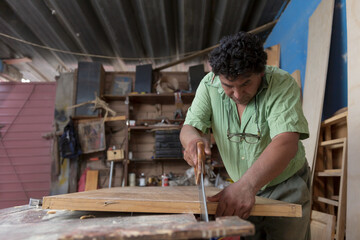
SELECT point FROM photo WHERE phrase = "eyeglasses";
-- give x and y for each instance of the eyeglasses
(247, 137)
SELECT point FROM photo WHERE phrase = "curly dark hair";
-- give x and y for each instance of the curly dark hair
(237, 55)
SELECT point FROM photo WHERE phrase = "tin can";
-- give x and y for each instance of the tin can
(164, 181)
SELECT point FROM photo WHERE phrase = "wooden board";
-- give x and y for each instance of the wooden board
(320, 25)
(26, 222)
(297, 77)
(353, 170)
(273, 54)
(322, 226)
(91, 180)
(177, 199)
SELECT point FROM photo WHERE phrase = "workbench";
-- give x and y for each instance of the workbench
(131, 213)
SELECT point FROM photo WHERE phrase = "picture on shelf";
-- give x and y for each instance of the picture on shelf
(92, 136)
(121, 86)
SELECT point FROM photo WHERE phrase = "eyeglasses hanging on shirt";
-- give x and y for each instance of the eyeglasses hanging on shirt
(247, 137)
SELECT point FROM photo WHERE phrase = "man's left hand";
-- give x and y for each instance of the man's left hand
(235, 200)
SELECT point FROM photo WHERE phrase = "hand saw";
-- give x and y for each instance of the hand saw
(199, 180)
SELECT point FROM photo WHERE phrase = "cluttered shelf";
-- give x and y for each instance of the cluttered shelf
(155, 127)
(152, 98)
(155, 159)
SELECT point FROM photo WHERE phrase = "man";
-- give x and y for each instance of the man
(257, 121)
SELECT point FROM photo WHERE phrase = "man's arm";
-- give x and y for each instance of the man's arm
(239, 198)
(189, 136)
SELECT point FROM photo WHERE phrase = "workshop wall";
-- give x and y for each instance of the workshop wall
(291, 32)
(26, 113)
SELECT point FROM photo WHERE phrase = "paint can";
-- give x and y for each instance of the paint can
(164, 180)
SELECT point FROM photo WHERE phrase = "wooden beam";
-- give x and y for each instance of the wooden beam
(17, 60)
(353, 170)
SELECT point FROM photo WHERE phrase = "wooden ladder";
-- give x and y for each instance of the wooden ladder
(329, 185)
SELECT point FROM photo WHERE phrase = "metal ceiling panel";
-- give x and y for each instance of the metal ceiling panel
(120, 33)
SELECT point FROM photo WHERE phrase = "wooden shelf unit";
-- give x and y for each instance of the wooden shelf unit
(153, 98)
(329, 185)
(140, 107)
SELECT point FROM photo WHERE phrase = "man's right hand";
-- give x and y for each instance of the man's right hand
(189, 137)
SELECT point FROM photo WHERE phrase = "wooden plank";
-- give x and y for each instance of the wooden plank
(169, 229)
(329, 165)
(341, 117)
(327, 201)
(330, 173)
(322, 226)
(320, 25)
(182, 199)
(273, 55)
(353, 170)
(17, 60)
(341, 216)
(332, 142)
(297, 77)
(91, 180)
(22, 222)
(96, 119)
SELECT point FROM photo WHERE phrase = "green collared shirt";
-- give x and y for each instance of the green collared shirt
(279, 111)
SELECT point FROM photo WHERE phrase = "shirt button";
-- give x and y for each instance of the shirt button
(242, 158)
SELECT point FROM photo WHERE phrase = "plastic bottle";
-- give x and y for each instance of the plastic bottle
(142, 182)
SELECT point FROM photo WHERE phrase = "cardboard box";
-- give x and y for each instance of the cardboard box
(113, 155)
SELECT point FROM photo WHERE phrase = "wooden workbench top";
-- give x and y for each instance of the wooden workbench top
(33, 223)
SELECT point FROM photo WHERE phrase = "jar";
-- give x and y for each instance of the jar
(132, 179)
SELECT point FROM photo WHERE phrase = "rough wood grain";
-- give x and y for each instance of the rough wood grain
(320, 26)
(31, 223)
(322, 226)
(353, 170)
(91, 180)
(273, 53)
(177, 199)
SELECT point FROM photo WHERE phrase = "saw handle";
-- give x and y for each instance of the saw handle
(199, 167)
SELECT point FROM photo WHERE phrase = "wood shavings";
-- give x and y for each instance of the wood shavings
(87, 216)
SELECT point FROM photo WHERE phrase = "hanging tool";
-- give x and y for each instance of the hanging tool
(199, 180)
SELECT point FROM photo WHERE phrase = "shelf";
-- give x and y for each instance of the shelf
(153, 127)
(113, 97)
(156, 159)
(153, 98)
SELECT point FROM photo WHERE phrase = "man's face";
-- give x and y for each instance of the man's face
(243, 88)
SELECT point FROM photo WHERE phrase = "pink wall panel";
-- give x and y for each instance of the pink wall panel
(27, 113)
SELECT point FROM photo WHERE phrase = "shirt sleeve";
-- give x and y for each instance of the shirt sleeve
(200, 111)
(284, 109)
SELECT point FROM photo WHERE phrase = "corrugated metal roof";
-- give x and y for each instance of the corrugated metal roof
(26, 112)
(123, 30)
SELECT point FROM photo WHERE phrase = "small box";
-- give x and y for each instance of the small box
(114, 155)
